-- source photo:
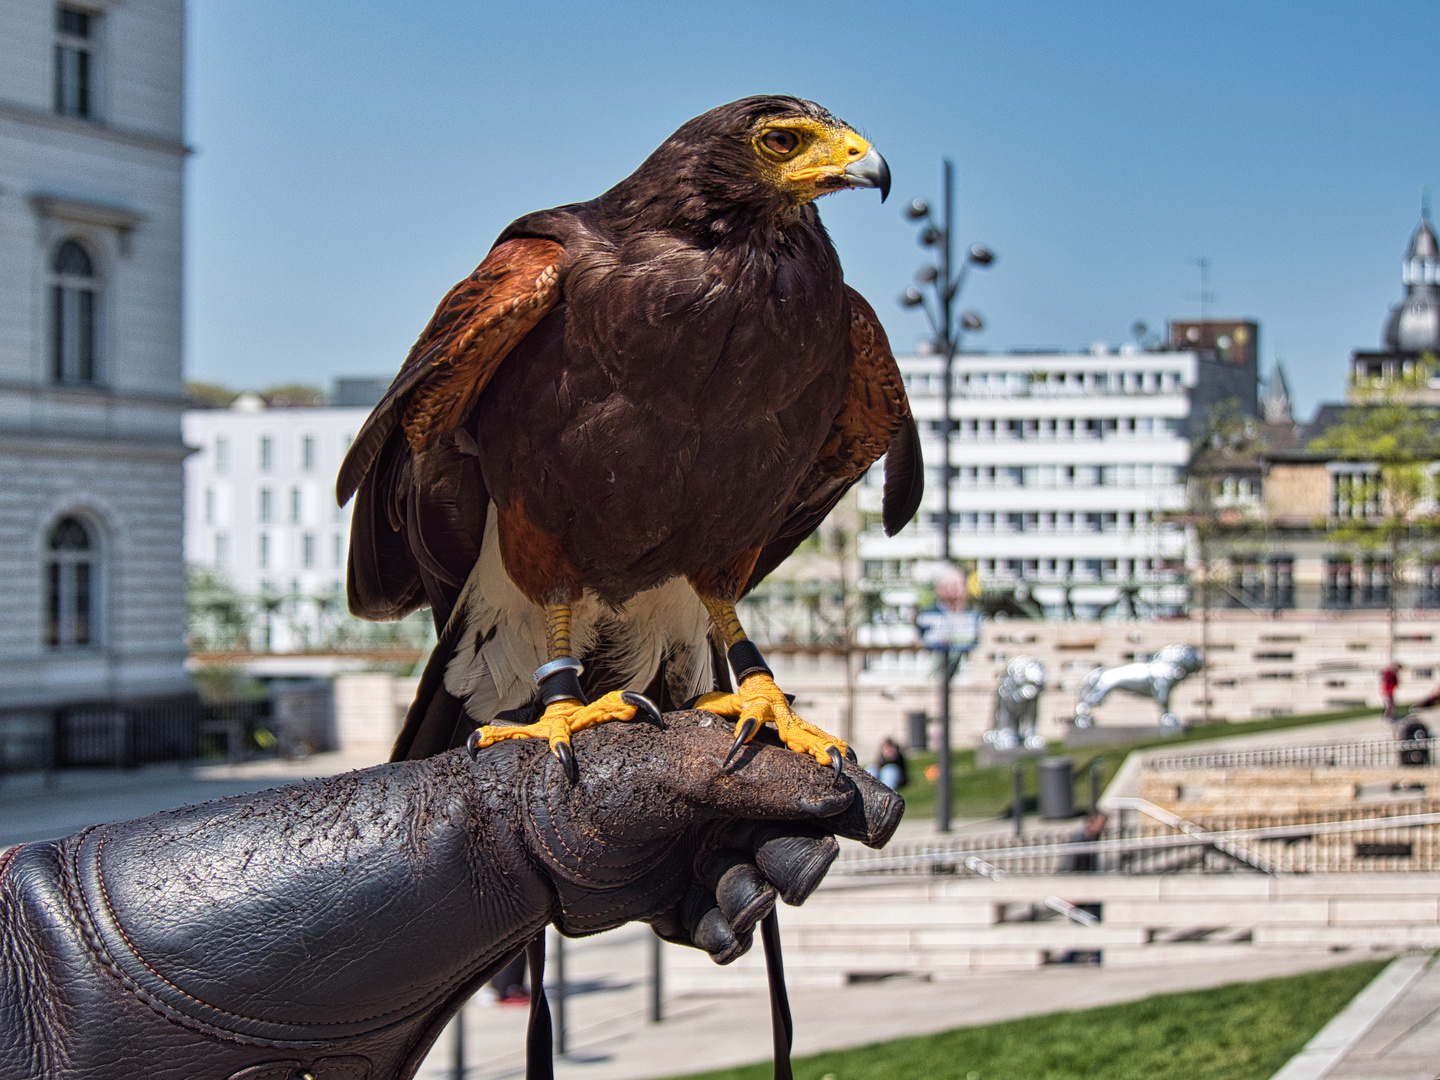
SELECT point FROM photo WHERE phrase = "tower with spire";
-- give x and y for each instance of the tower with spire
(1275, 401)
(1412, 329)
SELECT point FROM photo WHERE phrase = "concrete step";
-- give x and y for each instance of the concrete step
(940, 930)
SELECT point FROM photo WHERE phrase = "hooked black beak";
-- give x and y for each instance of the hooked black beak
(870, 171)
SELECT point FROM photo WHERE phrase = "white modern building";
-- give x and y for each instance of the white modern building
(91, 182)
(1066, 465)
(260, 510)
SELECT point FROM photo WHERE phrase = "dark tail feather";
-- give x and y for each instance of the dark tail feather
(436, 720)
(904, 478)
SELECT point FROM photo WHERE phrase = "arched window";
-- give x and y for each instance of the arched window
(72, 586)
(74, 317)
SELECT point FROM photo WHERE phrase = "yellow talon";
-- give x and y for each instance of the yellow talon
(760, 701)
(559, 721)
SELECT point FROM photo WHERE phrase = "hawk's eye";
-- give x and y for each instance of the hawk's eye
(780, 142)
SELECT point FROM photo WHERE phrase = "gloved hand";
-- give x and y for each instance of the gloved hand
(333, 927)
(655, 829)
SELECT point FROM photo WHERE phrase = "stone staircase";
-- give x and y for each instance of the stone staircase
(946, 928)
(1208, 793)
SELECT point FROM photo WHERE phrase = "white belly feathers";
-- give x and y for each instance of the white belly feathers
(504, 638)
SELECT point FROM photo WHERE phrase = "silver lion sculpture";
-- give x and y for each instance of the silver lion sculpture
(1154, 678)
(1017, 706)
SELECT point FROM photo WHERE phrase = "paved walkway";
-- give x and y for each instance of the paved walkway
(611, 1037)
(1391, 1031)
(44, 806)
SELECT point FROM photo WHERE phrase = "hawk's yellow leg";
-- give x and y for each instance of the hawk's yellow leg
(564, 716)
(759, 701)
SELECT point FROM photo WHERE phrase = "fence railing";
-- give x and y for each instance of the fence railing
(1394, 842)
(123, 736)
(1369, 754)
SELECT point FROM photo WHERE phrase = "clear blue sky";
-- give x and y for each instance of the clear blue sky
(355, 160)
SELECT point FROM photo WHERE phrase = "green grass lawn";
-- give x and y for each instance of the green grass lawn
(1244, 1031)
(987, 791)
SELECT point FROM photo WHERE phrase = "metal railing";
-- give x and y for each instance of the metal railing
(1378, 842)
(1369, 754)
(123, 736)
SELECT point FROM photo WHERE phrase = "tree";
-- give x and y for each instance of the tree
(1225, 455)
(210, 395)
(219, 617)
(294, 396)
(1388, 503)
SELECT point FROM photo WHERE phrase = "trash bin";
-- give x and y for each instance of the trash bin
(1057, 788)
(919, 725)
(1413, 730)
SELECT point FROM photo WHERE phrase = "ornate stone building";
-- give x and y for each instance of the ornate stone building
(1412, 329)
(1289, 503)
(91, 390)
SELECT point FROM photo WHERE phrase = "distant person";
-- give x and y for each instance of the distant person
(1085, 862)
(889, 767)
(509, 983)
(1389, 683)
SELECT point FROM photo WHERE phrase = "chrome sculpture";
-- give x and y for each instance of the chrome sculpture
(1017, 706)
(1154, 678)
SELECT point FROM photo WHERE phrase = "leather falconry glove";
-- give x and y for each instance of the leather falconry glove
(330, 929)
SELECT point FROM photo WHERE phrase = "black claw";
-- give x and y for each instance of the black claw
(472, 745)
(748, 727)
(850, 755)
(566, 757)
(643, 703)
(837, 760)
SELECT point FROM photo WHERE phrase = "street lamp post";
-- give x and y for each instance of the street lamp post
(945, 286)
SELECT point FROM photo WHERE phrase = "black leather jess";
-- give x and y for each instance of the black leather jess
(331, 929)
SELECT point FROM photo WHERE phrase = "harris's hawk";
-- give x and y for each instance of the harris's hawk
(632, 411)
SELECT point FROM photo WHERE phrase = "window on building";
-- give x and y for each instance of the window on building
(307, 551)
(1339, 586)
(1280, 582)
(267, 506)
(267, 453)
(1429, 593)
(71, 587)
(1247, 582)
(222, 551)
(297, 505)
(307, 452)
(337, 558)
(263, 551)
(209, 506)
(1349, 582)
(222, 454)
(75, 33)
(1355, 494)
(74, 322)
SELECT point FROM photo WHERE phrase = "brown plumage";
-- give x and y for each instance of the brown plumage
(633, 409)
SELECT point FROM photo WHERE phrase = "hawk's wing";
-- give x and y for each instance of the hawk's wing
(874, 419)
(420, 510)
